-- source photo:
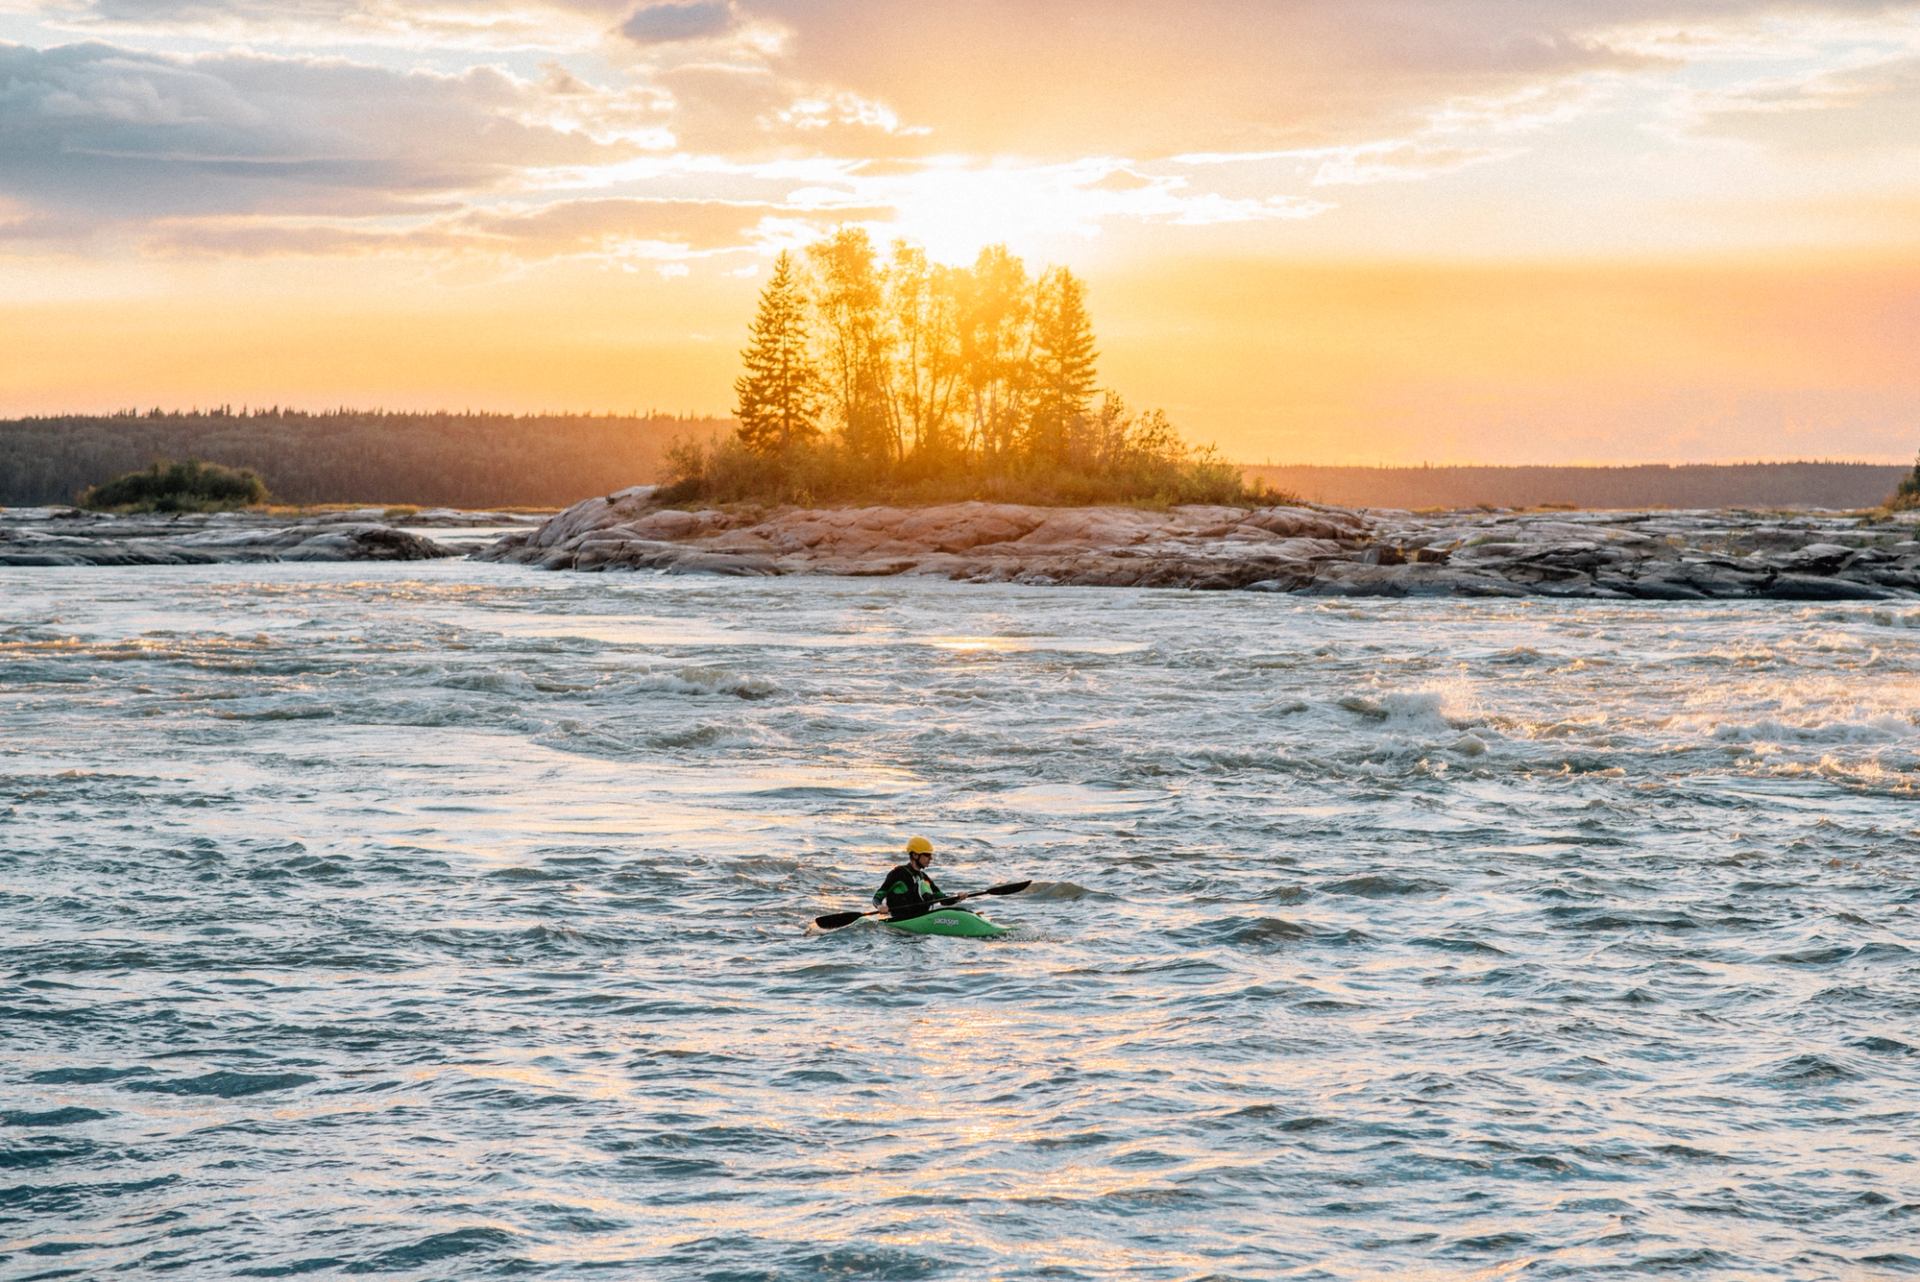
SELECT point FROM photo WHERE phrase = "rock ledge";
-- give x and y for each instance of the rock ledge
(1324, 551)
(70, 537)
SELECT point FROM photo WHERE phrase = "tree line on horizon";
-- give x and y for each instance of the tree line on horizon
(1805, 483)
(895, 376)
(467, 459)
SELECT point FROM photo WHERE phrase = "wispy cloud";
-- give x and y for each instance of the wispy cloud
(659, 24)
(103, 134)
(610, 230)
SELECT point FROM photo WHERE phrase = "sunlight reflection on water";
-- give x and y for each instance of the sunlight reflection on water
(448, 920)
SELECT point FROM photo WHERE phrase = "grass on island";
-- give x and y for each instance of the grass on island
(191, 486)
(825, 474)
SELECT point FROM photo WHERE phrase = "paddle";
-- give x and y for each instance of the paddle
(834, 921)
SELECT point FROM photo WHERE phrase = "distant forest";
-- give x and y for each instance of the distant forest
(1703, 485)
(354, 456)
(550, 460)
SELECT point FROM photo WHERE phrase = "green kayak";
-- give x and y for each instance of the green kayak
(950, 921)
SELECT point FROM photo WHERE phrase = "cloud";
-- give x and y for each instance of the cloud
(1150, 80)
(658, 24)
(1133, 77)
(105, 134)
(992, 117)
(558, 25)
(1401, 162)
(606, 225)
(754, 113)
(1825, 113)
(1121, 180)
(1041, 82)
(612, 229)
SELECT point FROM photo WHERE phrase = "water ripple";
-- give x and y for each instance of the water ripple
(443, 920)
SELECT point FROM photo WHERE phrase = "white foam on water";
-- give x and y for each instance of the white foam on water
(1427, 708)
(540, 895)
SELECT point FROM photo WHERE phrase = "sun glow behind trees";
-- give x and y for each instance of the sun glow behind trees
(908, 377)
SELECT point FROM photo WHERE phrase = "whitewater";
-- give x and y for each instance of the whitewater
(449, 920)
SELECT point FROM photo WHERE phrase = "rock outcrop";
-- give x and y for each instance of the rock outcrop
(1294, 548)
(69, 537)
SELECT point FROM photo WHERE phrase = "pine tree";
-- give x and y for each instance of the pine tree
(778, 398)
(1062, 380)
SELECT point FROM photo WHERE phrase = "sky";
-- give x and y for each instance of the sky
(1372, 231)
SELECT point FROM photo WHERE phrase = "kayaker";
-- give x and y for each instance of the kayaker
(907, 889)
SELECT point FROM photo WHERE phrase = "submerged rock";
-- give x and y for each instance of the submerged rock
(74, 538)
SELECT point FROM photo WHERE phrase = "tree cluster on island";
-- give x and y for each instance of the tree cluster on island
(1907, 497)
(190, 486)
(903, 379)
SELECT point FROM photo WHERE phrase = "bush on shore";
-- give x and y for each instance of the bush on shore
(191, 486)
(1907, 497)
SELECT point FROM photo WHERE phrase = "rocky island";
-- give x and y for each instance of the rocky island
(1306, 548)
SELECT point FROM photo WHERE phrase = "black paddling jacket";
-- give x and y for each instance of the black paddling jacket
(906, 891)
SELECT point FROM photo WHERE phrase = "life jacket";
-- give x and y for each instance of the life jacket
(906, 891)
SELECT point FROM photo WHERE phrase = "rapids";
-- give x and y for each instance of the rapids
(446, 920)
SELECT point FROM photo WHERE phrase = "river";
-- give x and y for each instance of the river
(447, 920)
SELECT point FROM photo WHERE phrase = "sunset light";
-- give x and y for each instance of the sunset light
(955, 210)
(545, 174)
(1016, 640)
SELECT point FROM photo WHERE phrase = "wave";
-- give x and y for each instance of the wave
(302, 712)
(1804, 1070)
(701, 680)
(1061, 890)
(1382, 886)
(1899, 777)
(1871, 728)
(1521, 655)
(439, 1246)
(224, 1084)
(51, 1117)
(716, 734)
(1432, 708)
(1263, 933)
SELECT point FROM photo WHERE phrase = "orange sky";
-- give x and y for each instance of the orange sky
(1383, 231)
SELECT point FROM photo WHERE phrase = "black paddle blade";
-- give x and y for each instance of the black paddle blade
(834, 921)
(1011, 888)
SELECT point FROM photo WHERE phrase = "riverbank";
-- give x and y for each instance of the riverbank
(1306, 548)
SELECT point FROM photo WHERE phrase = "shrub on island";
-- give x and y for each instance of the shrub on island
(1907, 497)
(903, 380)
(191, 486)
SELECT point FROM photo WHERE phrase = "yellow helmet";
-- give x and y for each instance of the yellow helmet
(919, 846)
